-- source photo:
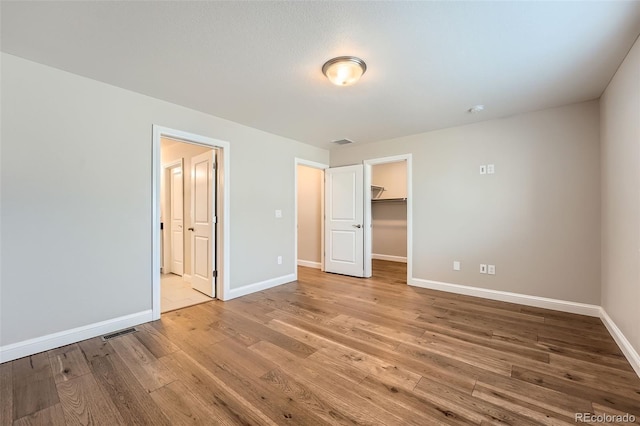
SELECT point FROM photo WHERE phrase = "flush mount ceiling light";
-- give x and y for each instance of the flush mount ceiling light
(476, 109)
(344, 70)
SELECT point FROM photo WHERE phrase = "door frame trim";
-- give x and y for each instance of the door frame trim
(367, 210)
(315, 165)
(224, 217)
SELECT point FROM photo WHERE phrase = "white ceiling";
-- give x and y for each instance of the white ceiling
(258, 63)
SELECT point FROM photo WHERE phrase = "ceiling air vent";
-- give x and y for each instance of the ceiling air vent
(342, 142)
(118, 334)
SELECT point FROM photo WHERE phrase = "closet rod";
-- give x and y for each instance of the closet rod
(379, 200)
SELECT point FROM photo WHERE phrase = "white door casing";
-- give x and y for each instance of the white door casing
(344, 220)
(367, 215)
(223, 187)
(177, 221)
(368, 223)
(203, 198)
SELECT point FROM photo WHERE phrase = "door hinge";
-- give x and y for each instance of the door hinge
(215, 274)
(215, 165)
(215, 219)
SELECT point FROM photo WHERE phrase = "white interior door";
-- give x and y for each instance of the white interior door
(177, 222)
(344, 220)
(203, 198)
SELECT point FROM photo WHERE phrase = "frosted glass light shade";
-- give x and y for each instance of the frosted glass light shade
(344, 70)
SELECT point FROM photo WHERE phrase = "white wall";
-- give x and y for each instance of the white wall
(537, 219)
(620, 162)
(76, 198)
(310, 181)
(389, 233)
(391, 176)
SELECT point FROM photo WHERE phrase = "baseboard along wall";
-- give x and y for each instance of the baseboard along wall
(62, 338)
(541, 302)
(259, 286)
(388, 257)
(309, 264)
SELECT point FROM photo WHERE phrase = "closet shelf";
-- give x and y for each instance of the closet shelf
(391, 200)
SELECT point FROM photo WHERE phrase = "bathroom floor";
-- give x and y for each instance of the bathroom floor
(177, 293)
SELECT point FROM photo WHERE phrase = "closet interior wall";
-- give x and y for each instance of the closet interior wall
(389, 211)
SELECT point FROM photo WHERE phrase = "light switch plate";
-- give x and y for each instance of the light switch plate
(491, 169)
(278, 214)
(483, 268)
(456, 265)
(491, 269)
(483, 169)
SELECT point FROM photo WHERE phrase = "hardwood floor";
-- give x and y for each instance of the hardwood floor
(330, 349)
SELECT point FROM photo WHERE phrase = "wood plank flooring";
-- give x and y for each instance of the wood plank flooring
(330, 349)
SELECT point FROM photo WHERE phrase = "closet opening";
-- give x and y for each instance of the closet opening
(387, 246)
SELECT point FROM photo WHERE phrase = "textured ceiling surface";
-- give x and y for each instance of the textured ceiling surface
(259, 63)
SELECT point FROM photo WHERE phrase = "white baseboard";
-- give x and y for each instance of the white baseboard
(625, 346)
(259, 286)
(389, 258)
(309, 264)
(505, 296)
(62, 338)
(186, 278)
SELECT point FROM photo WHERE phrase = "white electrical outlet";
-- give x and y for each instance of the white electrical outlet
(483, 169)
(456, 265)
(483, 268)
(278, 214)
(279, 260)
(491, 269)
(491, 169)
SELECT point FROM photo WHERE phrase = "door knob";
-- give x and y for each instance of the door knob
(357, 226)
(190, 229)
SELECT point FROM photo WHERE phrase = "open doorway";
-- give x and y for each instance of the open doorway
(388, 220)
(190, 242)
(309, 211)
(187, 190)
